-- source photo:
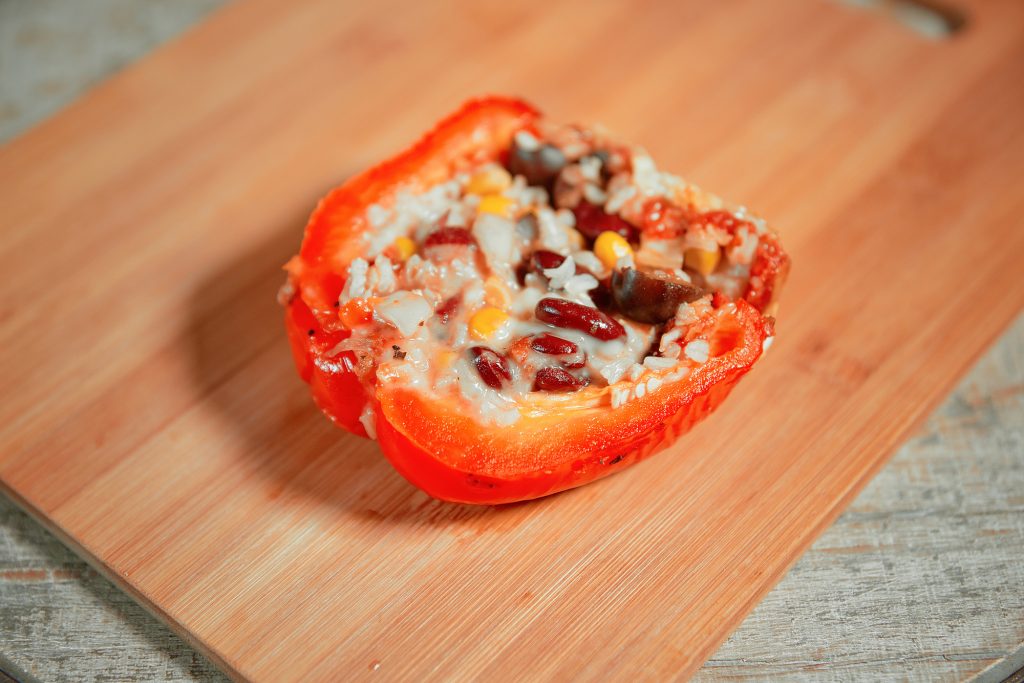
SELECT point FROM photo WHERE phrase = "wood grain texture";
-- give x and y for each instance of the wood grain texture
(60, 620)
(168, 440)
(920, 578)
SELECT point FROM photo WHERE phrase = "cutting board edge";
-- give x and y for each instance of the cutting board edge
(85, 97)
(771, 580)
(827, 516)
(122, 583)
(901, 438)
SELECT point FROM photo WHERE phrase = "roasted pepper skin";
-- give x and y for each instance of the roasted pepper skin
(431, 443)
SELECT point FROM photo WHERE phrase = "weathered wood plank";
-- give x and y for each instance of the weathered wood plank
(61, 621)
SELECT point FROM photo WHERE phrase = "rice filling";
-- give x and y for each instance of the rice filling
(572, 266)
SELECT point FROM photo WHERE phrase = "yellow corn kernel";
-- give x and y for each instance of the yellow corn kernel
(404, 248)
(487, 322)
(610, 247)
(497, 204)
(702, 261)
(491, 180)
(496, 292)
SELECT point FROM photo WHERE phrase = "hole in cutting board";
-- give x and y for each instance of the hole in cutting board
(930, 18)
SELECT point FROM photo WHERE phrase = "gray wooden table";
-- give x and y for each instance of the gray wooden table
(921, 579)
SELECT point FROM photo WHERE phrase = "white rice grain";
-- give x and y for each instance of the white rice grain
(559, 277)
(636, 371)
(659, 363)
(594, 194)
(613, 371)
(698, 351)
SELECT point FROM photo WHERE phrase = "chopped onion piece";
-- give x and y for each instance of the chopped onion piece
(405, 310)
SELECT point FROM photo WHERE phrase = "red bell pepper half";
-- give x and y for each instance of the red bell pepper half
(560, 441)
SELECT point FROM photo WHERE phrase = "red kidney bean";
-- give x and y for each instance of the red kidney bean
(575, 361)
(602, 295)
(492, 366)
(542, 260)
(448, 235)
(569, 314)
(557, 379)
(552, 345)
(569, 355)
(591, 221)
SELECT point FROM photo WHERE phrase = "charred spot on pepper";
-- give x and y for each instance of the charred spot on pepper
(476, 481)
(397, 352)
(310, 332)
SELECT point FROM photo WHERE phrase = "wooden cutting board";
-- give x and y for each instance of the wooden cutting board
(152, 418)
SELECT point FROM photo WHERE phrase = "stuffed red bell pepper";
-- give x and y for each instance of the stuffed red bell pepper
(513, 307)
